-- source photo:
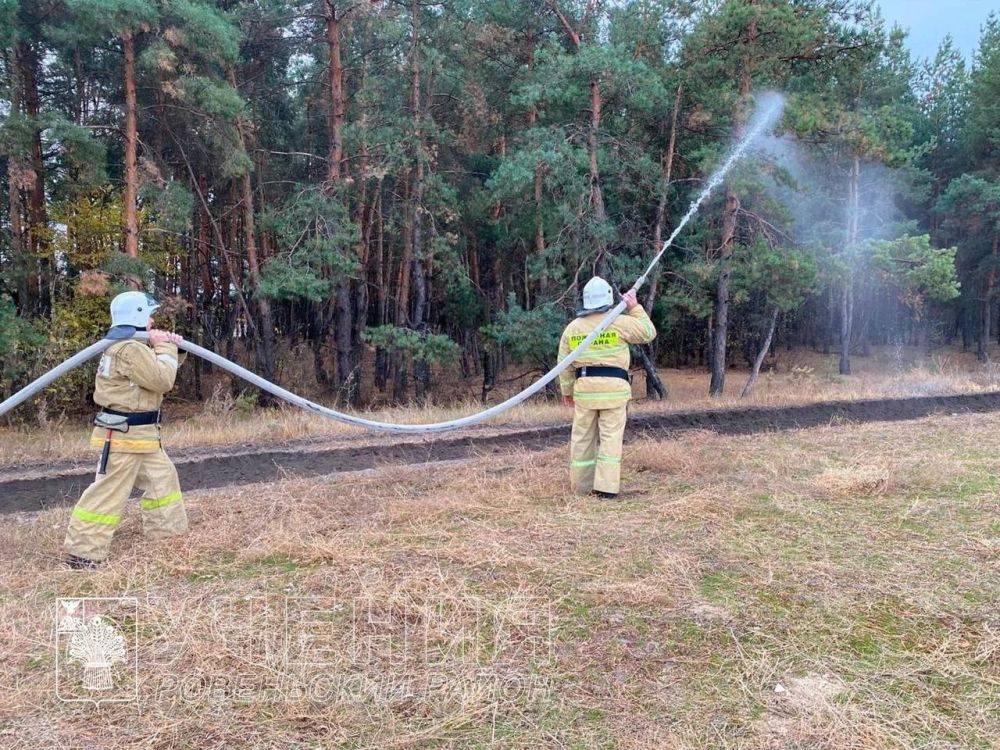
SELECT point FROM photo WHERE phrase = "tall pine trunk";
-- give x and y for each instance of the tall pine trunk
(131, 192)
(80, 100)
(208, 314)
(336, 117)
(847, 293)
(382, 274)
(414, 218)
(266, 338)
(538, 194)
(596, 194)
(720, 311)
(336, 113)
(729, 220)
(40, 263)
(986, 305)
(654, 385)
(596, 105)
(364, 218)
(660, 224)
(265, 329)
(402, 311)
(540, 225)
(16, 171)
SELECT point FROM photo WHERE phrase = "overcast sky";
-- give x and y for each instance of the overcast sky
(929, 20)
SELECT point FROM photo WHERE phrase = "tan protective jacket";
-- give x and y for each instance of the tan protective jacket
(132, 377)
(610, 349)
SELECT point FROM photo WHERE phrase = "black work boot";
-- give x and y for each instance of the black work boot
(81, 563)
(605, 495)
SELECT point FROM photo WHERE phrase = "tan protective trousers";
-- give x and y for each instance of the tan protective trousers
(596, 449)
(99, 511)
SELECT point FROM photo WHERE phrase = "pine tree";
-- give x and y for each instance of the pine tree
(969, 209)
(125, 20)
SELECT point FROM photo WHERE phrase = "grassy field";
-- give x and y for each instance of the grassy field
(800, 377)
(826, 588)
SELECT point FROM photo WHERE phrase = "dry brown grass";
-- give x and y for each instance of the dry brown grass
(828, 588)
(801, 376)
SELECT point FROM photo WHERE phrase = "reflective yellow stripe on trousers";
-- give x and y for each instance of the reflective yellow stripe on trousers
(86, 515)
(595, 395)
(153, 503)
(120, 445)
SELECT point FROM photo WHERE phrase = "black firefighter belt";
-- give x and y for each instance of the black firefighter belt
(601, 371)
(120, 421)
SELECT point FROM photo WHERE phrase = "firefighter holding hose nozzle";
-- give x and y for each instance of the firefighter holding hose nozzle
(132, 378)
(597, 385)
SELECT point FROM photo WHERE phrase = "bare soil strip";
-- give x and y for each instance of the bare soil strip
(36, 493)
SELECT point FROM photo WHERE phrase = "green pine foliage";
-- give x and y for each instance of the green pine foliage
(919, 271)
(430, 348)
(19, 343)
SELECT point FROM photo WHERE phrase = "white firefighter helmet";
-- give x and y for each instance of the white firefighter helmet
(132, 309)
(597, 294)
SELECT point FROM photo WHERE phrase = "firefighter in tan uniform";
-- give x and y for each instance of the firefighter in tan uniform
(597, 385)
(132, 378)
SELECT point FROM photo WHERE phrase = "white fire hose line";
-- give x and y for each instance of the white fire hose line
(768, 112)
(304, 403)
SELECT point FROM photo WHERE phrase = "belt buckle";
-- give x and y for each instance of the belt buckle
(114, 422)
